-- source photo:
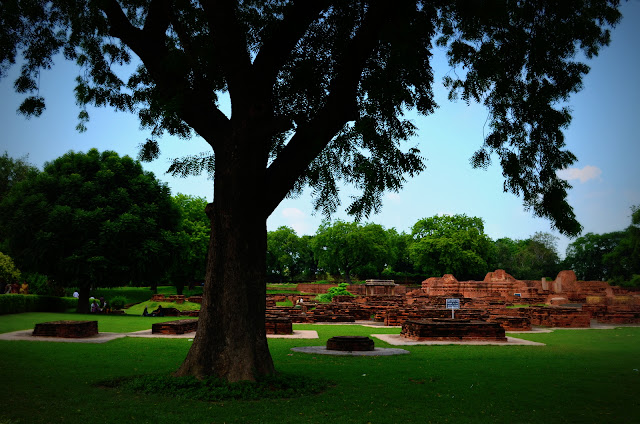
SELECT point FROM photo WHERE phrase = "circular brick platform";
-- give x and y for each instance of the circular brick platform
(350, 343)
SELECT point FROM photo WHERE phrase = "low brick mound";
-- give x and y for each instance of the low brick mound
(443, 329)
(512, 323)
(180, 326)
(278, 325)
(66, 329)
(350, 343)
(559, 317)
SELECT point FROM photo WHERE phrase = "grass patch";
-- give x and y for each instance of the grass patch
(152, 306)
(580, 376)
(285, 303)
(280, 386)
(282, 286)
(280, 291)
(140, 294)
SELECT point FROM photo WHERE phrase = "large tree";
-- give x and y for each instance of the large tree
(586, 255)
(450, 244)
(12, 171)
(342, 247)
(318, 90)
(90, 220)
(283, 254)
(189, 243)
(528, 259)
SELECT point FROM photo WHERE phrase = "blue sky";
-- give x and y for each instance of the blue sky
(603, 135)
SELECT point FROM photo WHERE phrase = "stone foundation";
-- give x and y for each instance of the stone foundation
(447, 329)
(181, 326)
(66, 329)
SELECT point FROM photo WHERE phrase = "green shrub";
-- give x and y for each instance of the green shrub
(118, 302)
(18, 303)
(341, 290)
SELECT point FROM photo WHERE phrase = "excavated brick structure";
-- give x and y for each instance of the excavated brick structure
(66, 329)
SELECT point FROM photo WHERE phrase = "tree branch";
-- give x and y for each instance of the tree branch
(230, 43)
(285, 34)
(198, 109)
(341, 107)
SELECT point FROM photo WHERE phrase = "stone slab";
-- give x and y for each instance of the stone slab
(322, 350)
(27, 335)
(398, 340)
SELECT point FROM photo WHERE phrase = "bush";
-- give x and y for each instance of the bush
(18, 303)
(118, 302)
(341, 290)
(42, 285)
(8, 271)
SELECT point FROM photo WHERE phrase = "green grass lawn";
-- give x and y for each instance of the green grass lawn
(581, 376)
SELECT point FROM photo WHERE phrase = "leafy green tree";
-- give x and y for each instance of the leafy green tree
(189, 242)
(624, 260)
(307, 260)
(9, 274)
(450, 244)
(529, 259)
(345, 246)
(283, 254)
(586, 255)
(318, 90)
(400, 262)
(12, 171)
(90, 219)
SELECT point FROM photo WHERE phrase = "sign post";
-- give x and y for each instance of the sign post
(453, 304)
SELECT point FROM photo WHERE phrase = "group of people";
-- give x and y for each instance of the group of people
(16, 288)
(157, 313)
(99, 306)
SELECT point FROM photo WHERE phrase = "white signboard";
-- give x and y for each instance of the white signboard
(453, 303)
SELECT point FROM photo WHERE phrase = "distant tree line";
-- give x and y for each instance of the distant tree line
(439, 245)
(614, 257)
(96, 219)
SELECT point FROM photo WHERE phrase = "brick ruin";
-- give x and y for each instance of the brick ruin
(180, 326)
(350, 344)
(66, 329)
(568, 302)
(448, 329)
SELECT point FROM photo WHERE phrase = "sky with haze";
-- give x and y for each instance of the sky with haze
(603, 135)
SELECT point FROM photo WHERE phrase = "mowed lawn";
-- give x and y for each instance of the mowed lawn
(580, 376)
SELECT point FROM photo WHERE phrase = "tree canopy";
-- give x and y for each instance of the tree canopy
(12, 171)
(189, 242)
(450, 244)
(342, 247)
(90, 219)
(318, 92)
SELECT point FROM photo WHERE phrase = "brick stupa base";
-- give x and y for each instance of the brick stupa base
(278, 325)
(447, 329)
(66, 329)
(180, 326)
(350, 343)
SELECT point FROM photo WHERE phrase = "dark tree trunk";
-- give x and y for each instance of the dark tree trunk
(231, 340)
(83, 300)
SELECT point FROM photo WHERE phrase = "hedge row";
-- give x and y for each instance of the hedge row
(18, 303)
